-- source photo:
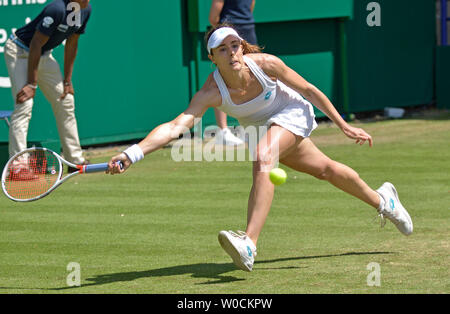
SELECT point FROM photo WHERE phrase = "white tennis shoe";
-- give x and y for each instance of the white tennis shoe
(240, 247)
(226, 137)
(394, 210)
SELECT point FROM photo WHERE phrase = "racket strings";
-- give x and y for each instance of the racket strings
(32, 174)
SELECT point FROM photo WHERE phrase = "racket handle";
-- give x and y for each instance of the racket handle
(98, 167)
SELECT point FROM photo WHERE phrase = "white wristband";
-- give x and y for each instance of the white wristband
(135, 153)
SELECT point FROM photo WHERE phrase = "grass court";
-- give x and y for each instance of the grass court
(154, 229)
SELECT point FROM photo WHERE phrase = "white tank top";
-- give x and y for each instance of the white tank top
(274, 98)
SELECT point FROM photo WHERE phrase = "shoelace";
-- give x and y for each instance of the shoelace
(243, 236)
(382, 219)
(238, 234)
(386, 214)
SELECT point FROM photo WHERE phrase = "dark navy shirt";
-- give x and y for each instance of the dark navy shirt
(54, 22)
(237, 12)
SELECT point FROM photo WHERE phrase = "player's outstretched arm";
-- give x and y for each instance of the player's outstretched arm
(166, 132)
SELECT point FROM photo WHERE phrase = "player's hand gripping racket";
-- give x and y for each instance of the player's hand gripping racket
(35, 172)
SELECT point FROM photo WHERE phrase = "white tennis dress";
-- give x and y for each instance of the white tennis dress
(277, 103)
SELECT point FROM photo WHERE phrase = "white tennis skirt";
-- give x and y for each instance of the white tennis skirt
(297, 117)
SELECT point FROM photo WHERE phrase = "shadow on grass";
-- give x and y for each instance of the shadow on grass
(285, 259)
(213, 272)
(203, 270)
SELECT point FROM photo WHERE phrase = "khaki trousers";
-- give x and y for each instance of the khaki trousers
(51, 84)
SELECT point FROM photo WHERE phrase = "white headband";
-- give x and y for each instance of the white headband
(219, 35)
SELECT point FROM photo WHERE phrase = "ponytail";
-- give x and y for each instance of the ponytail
(249, 48)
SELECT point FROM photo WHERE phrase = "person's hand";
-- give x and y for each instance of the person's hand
(358, 134)
(114, 167)
(68, 89)
(27, 92)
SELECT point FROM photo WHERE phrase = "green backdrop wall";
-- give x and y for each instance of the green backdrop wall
(391, 65)
(443, 77)
(137, 68)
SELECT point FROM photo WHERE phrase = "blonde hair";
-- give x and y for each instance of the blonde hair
(246, 46)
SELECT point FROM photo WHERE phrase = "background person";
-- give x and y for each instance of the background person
(239, 13)
(31, 65)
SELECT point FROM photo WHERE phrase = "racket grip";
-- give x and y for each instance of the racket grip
(99, 167)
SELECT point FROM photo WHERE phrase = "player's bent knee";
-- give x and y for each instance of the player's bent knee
(327, 173)
(264, 162)
(263, 155)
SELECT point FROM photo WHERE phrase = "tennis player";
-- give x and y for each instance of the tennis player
(259, 89)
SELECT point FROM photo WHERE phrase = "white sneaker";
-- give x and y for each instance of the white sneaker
(226, 137)
(240, 247)
(394, 210)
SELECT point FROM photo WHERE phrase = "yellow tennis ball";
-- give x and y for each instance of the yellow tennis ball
(277, 176)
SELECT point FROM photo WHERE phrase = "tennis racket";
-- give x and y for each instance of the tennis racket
(35, 172)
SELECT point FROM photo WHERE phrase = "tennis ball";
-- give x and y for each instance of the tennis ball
(277, 176)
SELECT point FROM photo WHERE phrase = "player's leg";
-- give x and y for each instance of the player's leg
(17, 63)
(275, 144)
(242, 246)
(51, 83)
(309, 159)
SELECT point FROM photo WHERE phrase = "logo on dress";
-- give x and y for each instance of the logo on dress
(268, 95)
